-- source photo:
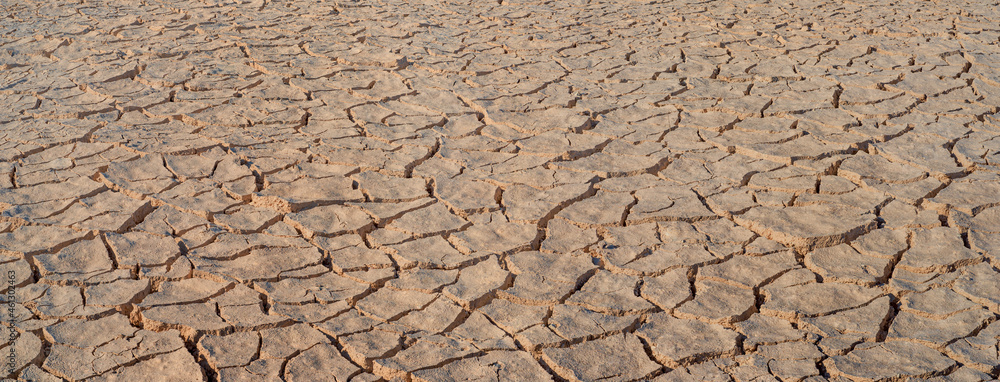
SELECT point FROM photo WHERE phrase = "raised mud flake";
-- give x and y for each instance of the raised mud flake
(174, 366)
(738, 140)
(327, 288)
(513, 317)
(882, 243)
(937, 302)
(107, 211)
(427, 221)
(237, 349)
(247, 313)
(761, 330)
(888, 108)
(364, 347)
(466, 195)
(964, 373)
(801, 149)
(813, 226)
(80, 358)
(116, 293)
(796, 359)
(704, 371)
(787, 179)
(926, 152)
(603, 209)
(615, 358)
(842, 263)
(235, 178)
(979, 284)
(53, 196)
(668, 203)
(246, 218)
(893, 359)
(227, 246)
(541, 177)
(686, 171)
(816, 299)
(383, 188)
(844, 329)
(388, 304)
(549, 119)
(525, 203)
(574, 322)
(184, 291)
(320, 363)
(169, 221)
(434, 318)
(872, 170)
(198, 197)
(348, 253)
(383, 213)
(986, 221)
(427, 351)
(482, 333)
(610, 292)
(558, 143)
(494, 366)
(328, 220)
(637, 259)
(477, 281)
(898, 214)
(718, 302)
(983, 235)
(749, 271)
(546, 277)
(188, 318)
(859, 96)
(565, 237)
(926, 84)
(433, 252)
(668, 290)
(82, 333)
(936, 250)
(145, 175)
(978, 351)
(968, 196)
(501, 166)
(34, 373)
(259, 370)
(79, 261)
(609, 165)
(313, 312)
(58, 301)
(306, 192)
(978, 149)
(674, 341)
(937, 331)
(499, 237)
(140, 248)
(23, 350)
(260, 263)
(866, 200)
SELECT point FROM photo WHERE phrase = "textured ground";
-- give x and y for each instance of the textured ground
(569, 190)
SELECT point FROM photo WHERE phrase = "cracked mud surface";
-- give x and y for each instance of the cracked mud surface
(517, 191)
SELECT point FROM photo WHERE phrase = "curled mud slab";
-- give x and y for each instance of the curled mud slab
(620, 190)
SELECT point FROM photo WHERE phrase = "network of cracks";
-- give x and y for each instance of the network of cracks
(782, 190)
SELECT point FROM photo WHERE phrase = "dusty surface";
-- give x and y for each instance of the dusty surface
(517, 191)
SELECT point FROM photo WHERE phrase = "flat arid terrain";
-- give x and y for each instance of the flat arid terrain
(600, 190)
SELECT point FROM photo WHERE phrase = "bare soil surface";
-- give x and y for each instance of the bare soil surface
(670, 190)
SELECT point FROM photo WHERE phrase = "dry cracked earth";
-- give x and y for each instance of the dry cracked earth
(786, 190)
